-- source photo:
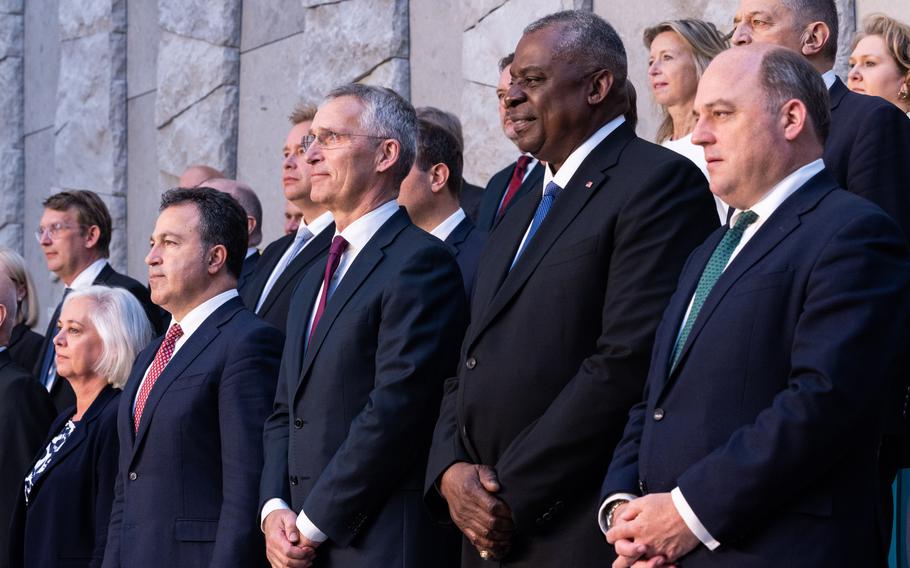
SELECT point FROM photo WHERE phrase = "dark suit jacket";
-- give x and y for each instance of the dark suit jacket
(771, 421)
(65, 523)
(25, 346)
(466, 241)
(496, 188)
(866, 150)
(557, 349)
(469, 198)
(250, 264)
(186, 490)
(61, 392)
(354, 412)
(275, 308)
(26, 412)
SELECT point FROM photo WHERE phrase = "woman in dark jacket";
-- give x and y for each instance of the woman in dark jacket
(24, 344)
(65, 500)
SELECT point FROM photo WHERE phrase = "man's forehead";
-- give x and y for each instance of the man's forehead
(752, 7)
(57, 214)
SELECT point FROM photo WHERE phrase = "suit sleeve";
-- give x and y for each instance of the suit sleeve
(664, 219)
(445, 450)
(245, 396)
(423, 316)
(106, 465)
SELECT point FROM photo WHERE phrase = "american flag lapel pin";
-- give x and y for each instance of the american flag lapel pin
(589, 184)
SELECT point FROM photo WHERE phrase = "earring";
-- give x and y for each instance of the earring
(903, 94)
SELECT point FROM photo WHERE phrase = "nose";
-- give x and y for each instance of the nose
(313, 154)
(741, 34)
(652, 68)
(701, 136)
(45, 238)
(854, 73)
(153, 258)
(288, 162)
(60, 338)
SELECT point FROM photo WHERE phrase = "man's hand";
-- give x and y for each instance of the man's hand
(484, 519)
(285, 547)
(649, 532)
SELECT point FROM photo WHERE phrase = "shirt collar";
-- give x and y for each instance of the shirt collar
(578, 155)
(829, 77)
(359, 233)
(444, 229)
(87, 277)
(250, 252)
(780, 192)
(318, 224)
(195, 317)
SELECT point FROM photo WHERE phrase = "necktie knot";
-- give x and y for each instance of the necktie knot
(303, 235)
(745, 219)
(338, 246)
(552, 189)
(174, 333)
(522, 163)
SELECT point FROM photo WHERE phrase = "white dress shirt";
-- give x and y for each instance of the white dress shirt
(87, 277)
(828, 77)
(764, 209)
(444, 229)
(190, 323)
(357, 234)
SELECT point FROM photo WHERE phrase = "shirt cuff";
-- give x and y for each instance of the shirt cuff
(309, 530)
(602, 512)
(688, 515)
(270, 506)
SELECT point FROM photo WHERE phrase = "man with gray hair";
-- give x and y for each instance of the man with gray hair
(374, 335)
(249, 201)
(757, 442)
(566, 299)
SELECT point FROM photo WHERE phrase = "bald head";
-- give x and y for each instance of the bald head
(7, 307)
(197, 174)
(248, 200)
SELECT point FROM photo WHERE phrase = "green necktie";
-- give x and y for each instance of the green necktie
(710, 276)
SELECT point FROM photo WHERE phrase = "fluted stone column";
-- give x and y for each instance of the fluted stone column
(90, 121)
(196, 106)
(12, 125)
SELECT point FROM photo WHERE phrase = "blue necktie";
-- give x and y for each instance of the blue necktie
(550, 193)
(49, 367)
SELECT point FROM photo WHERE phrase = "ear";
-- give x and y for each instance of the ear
(601, 83)
(814, 38)
(216, 259)
(389, 152)
(439, 177)
(250, 224)
(3, 314)
(793, 118)
(92, 234)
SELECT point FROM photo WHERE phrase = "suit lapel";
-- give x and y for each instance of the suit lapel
(316, 248)
(266, 265)
(837, 92)
(459, 234)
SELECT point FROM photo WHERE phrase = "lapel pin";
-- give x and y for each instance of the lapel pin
(589, 184)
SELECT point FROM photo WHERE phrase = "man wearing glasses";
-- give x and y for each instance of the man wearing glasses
(75, 236)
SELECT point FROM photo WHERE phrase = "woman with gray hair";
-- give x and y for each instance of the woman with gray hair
(24, 344)
(65, 501)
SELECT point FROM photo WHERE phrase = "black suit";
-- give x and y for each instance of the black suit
(26, 412)
(275, 308)
(25, 346)
(558, 347)
(466, 241)
(354, 411)
(65, 523)
(496, 189)
(469, 198)
(61, 392)
(250, 264)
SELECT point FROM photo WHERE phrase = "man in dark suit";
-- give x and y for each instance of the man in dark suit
(26, 412)
(190, 418)
(75, 236)
(376, 333)
(285, 261)
(757, 440)
(430, 195)
(565, 304)
(517, 179)
(251, 205)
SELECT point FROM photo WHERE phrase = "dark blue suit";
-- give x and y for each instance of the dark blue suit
(186, 491)
(770, 423)
(354, 412)
(466, 241)
(496, 189)
(65, 523)
(275, 307)
(250, 264)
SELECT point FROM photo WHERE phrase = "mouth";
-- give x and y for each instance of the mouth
(520, 123)
(289, 180)
(659, 85)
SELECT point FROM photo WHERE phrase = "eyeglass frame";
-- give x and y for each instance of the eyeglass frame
(54, 229)
(308, 140)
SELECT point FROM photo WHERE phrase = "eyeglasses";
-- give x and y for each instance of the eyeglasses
(328, 139)
(53, 230)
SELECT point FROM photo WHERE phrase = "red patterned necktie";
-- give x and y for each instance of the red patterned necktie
(518, 176)
(337, 248)
(161, 358)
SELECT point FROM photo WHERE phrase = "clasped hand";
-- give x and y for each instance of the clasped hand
(285, 547)
(483, 518)
(649, 532)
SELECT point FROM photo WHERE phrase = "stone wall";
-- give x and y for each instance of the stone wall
(12, 124)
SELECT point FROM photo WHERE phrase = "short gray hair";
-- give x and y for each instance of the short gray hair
(386, 115)
(786, 75)
(807, 11)
(589, 41)
(123, 327)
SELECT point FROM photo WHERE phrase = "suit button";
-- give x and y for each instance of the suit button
(293, 480)
(547, 516)
(464, 431)
(658, 414)
(470, 363)
(133, 476)
(298, 423)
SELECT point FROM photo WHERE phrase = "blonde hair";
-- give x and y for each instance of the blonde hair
(896, 37)
(14, 266)
(705, 42)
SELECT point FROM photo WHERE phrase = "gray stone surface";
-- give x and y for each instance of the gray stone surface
(12, 156)
(11, 6)
(39, 181)
(214, 21)
(141, 47)
(42, 56)
(435, 64)
(143, 193)
(267, 22)
(899, 9)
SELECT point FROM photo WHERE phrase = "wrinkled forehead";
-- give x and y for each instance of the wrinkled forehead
(338, 114)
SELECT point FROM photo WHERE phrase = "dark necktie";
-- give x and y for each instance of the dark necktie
(164, 354)
(336, 249)
(49, 367)
(709, 277)
(518, 176)
(550, 193)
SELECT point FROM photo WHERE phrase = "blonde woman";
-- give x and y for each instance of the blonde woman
(24, 344)
(880, 61)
